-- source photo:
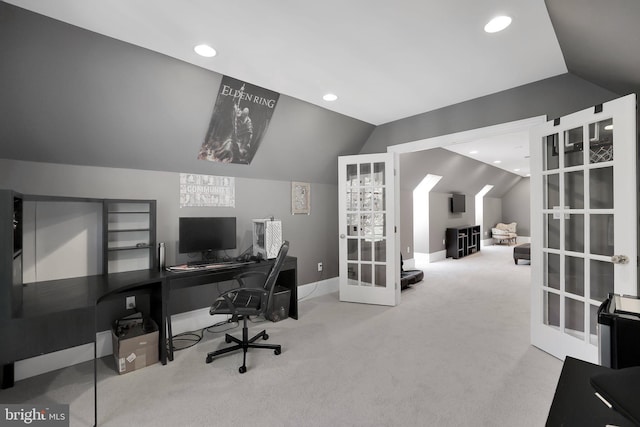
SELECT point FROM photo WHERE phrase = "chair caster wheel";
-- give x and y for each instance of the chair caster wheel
(265, 337)
(242, 369)
(209, 359)
(277, 351)
(227, 339)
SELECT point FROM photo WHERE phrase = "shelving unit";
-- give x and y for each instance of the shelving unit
(462, 241)
(11, 253)
(49, 315)
(129, 237)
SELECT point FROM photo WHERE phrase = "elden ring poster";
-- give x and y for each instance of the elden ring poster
(240, 118)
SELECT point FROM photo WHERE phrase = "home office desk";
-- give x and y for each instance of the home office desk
(60, 314)
(575, 402)
(288, 278)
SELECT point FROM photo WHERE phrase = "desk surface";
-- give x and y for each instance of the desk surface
(59, 314)
(575, 402)
(43, 298)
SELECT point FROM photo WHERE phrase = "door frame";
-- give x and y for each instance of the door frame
(440, 141)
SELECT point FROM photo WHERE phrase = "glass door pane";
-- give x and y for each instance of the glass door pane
(584, 200)
(368, 240)
(365, 234)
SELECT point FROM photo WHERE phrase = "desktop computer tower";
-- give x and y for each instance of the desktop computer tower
(267, 237)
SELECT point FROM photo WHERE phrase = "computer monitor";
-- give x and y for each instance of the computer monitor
(206, 234)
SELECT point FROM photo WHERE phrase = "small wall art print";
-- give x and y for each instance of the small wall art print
(240, 118)
(207, 191)
(300, 198)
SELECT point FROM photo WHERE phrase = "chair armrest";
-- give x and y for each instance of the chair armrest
(241, 276)
(231, 293)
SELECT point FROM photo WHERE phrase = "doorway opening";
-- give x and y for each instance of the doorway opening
(423, 235)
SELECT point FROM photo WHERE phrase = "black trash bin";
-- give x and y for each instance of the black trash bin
(619, 331)
(280, 308)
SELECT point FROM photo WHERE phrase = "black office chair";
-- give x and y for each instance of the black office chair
(244, 302)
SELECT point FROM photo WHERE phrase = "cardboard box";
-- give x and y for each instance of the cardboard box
(135, 348)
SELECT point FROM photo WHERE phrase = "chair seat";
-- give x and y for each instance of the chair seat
(240, 300)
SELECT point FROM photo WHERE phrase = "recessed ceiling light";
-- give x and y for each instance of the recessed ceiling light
(330, 97)
(497, 161)
(498, 23)
(205, 50)
(608, 127)
(516, 170)
(473, 152)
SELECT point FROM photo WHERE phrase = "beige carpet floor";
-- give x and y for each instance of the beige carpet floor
(455, 352)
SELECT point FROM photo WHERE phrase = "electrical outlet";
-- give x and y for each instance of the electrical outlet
(319, 266)
(408, 249)
(131, 303)
(444, 242)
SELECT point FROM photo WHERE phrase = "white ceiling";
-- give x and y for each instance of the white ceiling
(511, 150)
(385, 59)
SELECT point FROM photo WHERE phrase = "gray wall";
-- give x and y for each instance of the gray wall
(491, 215)
(130, 119)
(460, 174)
(516, 207)
(441, 218)
(554, 97)
(75, 97)
(313, 237)
(406, 225)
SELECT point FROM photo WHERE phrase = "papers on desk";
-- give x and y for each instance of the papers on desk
(213, 266)
(181, 267)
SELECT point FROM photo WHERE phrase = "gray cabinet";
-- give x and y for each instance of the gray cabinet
(462, 241)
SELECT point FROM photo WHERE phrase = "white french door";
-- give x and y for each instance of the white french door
(583, 221)
(368, 190)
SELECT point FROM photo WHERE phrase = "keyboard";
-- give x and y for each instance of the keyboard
(208, 266)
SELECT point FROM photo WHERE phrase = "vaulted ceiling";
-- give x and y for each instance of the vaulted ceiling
(386, 60)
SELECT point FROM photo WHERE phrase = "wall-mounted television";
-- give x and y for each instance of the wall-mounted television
(206, 234)
(458, 203)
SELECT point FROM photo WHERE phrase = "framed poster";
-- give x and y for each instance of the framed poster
(207, 191)
(300, 198)
(240, 118)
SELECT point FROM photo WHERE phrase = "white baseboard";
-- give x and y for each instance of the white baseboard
(486, 242)
(181, 322)
(422, 258)
(61, 359)
(409, 263)
(316, 289)
(437, 256)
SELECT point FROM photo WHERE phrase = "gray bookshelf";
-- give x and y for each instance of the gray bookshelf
(462, 241)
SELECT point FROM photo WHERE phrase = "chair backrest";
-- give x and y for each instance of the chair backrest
(272, 277)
